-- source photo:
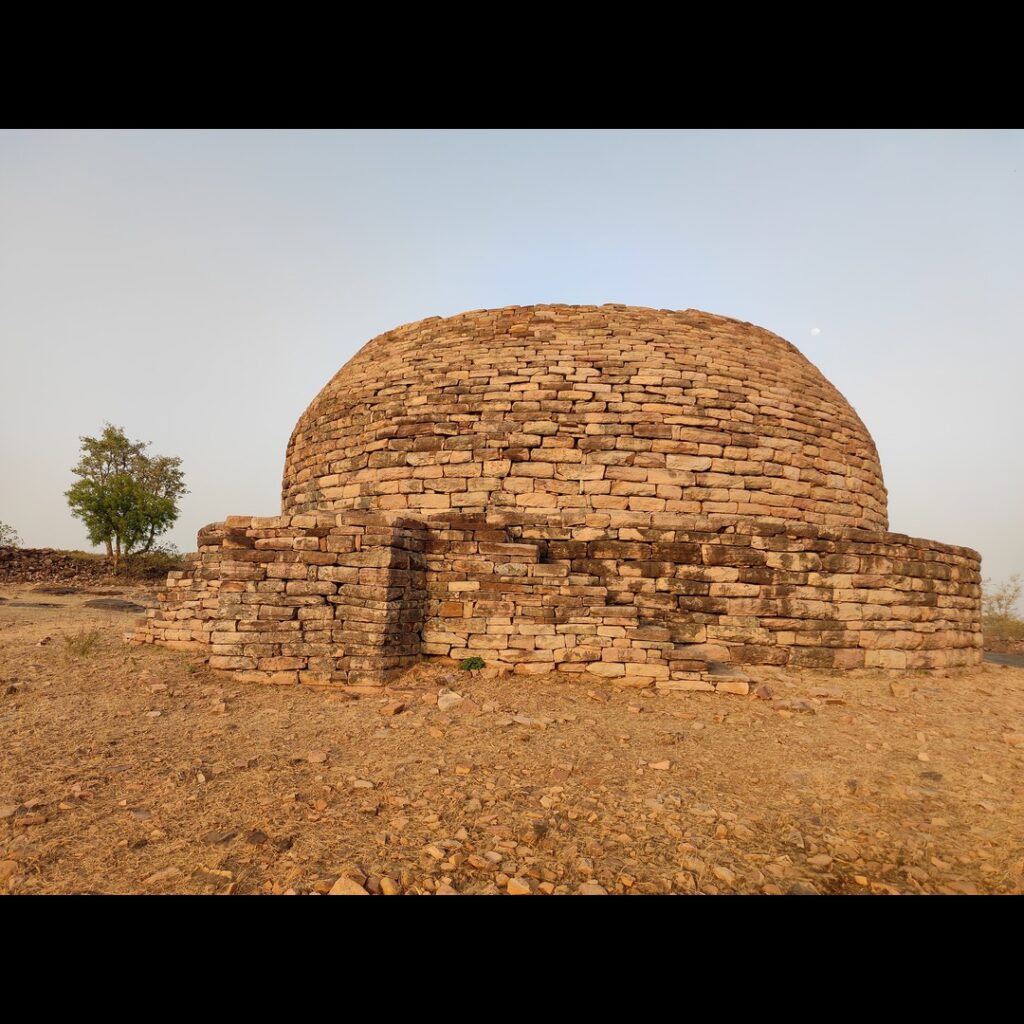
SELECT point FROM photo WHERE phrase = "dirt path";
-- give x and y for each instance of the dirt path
(1016, 660)
(128, 769)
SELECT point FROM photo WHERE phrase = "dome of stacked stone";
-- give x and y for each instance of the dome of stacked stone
(617, 409)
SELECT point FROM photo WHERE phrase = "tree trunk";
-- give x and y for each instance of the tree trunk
(110, 548)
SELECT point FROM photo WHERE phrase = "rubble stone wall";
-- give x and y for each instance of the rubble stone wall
(287, 599)
(634, 597)
(350, 599)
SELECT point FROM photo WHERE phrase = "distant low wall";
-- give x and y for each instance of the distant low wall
(47, 565)
(352, 598)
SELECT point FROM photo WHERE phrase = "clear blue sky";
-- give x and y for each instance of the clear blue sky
(199, 288)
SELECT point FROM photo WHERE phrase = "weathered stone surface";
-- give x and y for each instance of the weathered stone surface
(447, 700)
(347, 887)
(736, 686)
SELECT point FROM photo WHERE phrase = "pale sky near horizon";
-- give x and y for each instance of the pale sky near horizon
(199, 288)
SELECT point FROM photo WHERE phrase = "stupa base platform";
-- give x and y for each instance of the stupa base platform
(352, 599)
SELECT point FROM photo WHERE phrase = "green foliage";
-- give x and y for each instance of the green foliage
(125, 497)
(9, 537)
(157, 562)
(471, 664)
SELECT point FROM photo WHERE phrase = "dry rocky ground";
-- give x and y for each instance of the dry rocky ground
(127, 769)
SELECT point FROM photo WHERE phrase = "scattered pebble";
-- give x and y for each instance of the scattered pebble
(447, 700)
(347, 887)
(163, 875)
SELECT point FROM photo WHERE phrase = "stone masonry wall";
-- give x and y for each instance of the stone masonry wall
(636, 598)
(541, 409)
(287, 599)
(352, 598)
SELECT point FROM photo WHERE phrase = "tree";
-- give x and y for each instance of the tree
(125, 497)
(9, 537)
(1000, 601)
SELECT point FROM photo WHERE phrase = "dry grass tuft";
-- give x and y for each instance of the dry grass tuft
(82, 644)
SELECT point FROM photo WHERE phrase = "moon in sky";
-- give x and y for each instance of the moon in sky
(815, 330)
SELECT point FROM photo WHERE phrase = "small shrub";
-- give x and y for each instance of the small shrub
(9, 537)
(86, 556)
(82, 644)
(155, 564)
(1003, 627)
(473, 664)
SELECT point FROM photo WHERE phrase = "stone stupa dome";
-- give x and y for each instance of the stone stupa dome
(648, 497)
(540, 409)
